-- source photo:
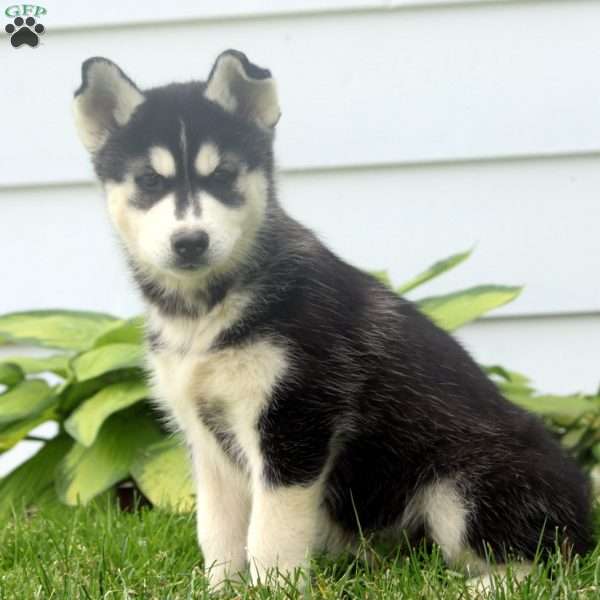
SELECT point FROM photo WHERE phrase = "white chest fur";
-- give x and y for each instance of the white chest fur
(237, 381)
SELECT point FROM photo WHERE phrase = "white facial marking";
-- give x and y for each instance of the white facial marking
(207, 159)
(162, 161)
(117, 196)
(148, 233)
(156, 228)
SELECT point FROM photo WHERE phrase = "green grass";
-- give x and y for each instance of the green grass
(97, 552)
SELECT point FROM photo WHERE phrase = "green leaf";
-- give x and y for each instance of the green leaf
(382, 277)
(24, 485)
(574, 437)
(567, 407)
(595, 480)
(510, 376)
(10, 374)
(433, 271)
(26, 399)
(519, 389)
(68, 330)
(509, 382)
(86, 472)
(453, 310)
(107, 358)
(72, 393)
(123, 332)
(12, 434)
(162, 472)
(85, 422)
(57, 364)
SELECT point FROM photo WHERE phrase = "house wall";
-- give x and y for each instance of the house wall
(411, 130)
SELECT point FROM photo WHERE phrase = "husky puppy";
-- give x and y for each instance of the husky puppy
(316, 403)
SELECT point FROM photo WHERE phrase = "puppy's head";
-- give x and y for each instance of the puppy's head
(187, 168)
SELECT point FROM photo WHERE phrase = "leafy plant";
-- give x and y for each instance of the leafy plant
(95, 389)
(93, 385)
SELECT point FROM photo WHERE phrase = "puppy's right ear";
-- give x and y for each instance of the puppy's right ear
(105, 101)
(241, 87)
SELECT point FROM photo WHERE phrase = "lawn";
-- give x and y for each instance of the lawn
(98, 552)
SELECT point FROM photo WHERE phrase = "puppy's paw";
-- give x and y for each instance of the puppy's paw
(218, 576)
(277, 578)
(499, 582)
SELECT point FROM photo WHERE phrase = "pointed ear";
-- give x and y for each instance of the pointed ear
(241, 87)
(105, 101)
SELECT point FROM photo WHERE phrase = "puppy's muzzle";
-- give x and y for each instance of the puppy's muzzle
(189, 248)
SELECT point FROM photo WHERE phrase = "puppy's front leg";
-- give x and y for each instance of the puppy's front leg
(283, 530)
(223, 512)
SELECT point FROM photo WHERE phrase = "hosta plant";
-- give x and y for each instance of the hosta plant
(92, 383)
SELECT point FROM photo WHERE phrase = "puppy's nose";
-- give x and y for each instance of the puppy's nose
(190, 245)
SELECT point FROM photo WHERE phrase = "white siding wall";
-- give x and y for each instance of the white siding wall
(411, 130)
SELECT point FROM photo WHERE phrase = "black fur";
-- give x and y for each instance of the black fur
(215, 421)
(400, 404)
(377, 393)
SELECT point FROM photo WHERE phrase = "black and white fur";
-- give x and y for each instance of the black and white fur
(314, 400)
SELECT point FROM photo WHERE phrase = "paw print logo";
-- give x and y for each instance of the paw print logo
(24, 32)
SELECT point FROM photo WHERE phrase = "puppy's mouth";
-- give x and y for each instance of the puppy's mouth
(189, 265)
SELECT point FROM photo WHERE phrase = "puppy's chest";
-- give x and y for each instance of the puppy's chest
(215, 392)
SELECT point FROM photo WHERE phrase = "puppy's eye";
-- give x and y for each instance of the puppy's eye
(224, 175)
(151, 182)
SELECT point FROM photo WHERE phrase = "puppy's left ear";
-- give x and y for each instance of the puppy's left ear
(241, 87)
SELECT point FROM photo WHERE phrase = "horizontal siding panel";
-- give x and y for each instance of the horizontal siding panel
(450, 83)
(21, 452)
(559, 354)
(532, 222)
(63, 14)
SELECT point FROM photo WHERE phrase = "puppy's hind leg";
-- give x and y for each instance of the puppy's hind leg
(446, 514)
